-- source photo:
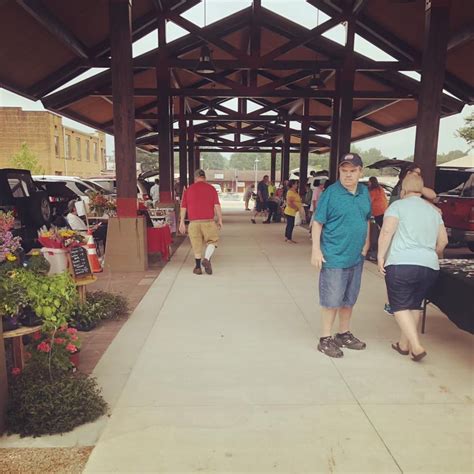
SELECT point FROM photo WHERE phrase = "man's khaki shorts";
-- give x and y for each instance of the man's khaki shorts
(202, 232)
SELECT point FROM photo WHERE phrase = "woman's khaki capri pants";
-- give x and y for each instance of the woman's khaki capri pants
(202, 232)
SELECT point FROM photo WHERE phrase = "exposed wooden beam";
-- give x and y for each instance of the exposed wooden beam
(250, 92)
(205, 35)
(302, 40)
(40, 13)
(372, 108)
(461, 37)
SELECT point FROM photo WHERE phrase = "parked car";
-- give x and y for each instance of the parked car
(218, 188)
(455, 189)
(30, 205)
(78, 185)
(143, 184)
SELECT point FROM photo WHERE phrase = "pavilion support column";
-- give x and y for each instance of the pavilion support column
(286, 151)
(3, 382)
(334, 154)
(273, 157)
(346, 92)
(191, 163)
(183, 162)
(304, 149)
(197, 158)
(123, 106)
(164, 115)
(431, 90)
(126, 235)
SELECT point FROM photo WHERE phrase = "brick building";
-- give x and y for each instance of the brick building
(237, 180)
(60, 150)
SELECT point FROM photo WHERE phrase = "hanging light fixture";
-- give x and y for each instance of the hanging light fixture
(316, 82)
(280, 120)
(205, 65)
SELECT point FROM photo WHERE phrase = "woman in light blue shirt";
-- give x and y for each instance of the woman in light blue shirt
(412, 237)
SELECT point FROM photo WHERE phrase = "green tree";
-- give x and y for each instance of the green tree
(451, 155)
(25, 159)
(148, 161)
(246, 161)
(467, 132)
(213, 161)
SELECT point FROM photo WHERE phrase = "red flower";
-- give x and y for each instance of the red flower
(74, 338)
(36, 336)
(16, 371)
(71, 331)
(44, 347)
(71, 348)
(59, 340)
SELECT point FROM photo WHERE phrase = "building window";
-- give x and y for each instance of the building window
(94, 151)
(67, 147)
(78, 149)
(88, 150)
(56, 145)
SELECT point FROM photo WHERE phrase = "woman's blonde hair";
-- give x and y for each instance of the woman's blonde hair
(413, 183)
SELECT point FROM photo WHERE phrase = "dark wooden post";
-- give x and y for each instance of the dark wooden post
(197, 158)
(334, 154)
(432, 78)
(183, 165)
(273, 165)
(286, 151)
(304, 148)
(191, 163)
(347, 92)
(123, 105)
(3, 382)
(172, 112)
(164, 129)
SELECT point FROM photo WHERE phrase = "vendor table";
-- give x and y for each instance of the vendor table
(453, 293)
(159, 240)
(18, 348)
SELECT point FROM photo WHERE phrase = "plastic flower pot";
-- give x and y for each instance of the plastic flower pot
(10, 323)
(29, 318)
(57, 258)
(74, 358)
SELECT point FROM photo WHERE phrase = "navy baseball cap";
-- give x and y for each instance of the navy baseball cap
(353, 158)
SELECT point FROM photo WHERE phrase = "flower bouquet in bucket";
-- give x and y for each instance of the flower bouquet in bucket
(100, 205)
(60, 238)
(56, 244)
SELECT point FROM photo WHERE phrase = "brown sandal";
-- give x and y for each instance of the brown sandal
(396, 347)
(418, 357)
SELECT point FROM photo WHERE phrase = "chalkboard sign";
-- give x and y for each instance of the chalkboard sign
(80, 263)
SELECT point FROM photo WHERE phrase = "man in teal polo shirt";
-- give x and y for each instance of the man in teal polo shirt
(340, 242)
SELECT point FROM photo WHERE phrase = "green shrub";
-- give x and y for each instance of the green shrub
(41, 405)
(108, 305)
(86, 316)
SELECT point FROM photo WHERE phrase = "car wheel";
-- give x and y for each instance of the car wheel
(40, 209)
(470, 245)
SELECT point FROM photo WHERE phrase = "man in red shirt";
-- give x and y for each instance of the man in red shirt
(201, 202)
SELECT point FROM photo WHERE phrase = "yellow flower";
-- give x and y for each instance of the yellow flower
(35, 253)
(10, 257)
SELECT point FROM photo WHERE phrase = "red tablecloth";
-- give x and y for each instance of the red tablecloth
(159, 240)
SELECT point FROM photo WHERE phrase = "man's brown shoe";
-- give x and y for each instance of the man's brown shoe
(197, 271)
(207, 266)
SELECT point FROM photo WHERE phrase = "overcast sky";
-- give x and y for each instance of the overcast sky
(397, 144)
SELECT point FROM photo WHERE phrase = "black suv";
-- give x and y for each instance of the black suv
(30, 205)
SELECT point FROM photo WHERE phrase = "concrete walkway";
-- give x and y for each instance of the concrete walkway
(221, 374)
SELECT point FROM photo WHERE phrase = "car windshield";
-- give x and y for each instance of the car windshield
(97, 187)
(453, 182)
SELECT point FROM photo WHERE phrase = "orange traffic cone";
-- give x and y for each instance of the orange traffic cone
(92, 253)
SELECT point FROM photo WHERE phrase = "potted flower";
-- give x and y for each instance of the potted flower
(57, 348)
(56, 242)
(100, 204)
(12, 299)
